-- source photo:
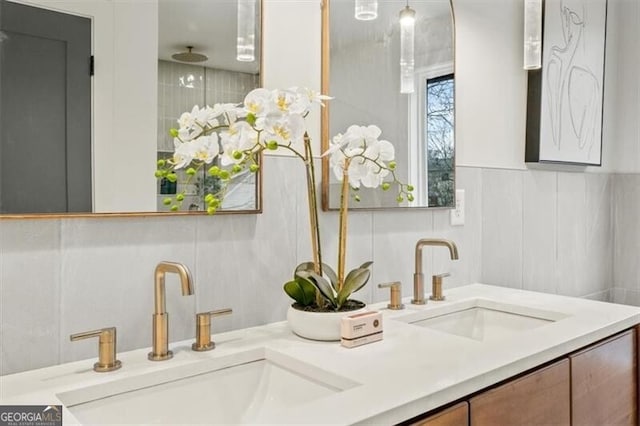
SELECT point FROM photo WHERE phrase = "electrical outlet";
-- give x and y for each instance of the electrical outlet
(457, 214)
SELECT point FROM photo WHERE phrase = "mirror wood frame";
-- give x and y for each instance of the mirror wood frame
(259, 191)
(324, 116)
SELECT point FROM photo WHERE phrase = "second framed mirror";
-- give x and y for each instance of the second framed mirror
(408, 92)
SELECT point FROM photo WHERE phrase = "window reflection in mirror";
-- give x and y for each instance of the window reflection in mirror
(361, 70)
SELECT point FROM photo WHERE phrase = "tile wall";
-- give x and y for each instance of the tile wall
(537, 230)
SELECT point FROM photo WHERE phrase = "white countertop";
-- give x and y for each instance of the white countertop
(411, 371)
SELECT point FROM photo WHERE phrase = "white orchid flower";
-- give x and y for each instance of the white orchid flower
(183, 154)
(206, 148)
(367, 156)
(257, 102)
(380, 151)
(240, 137)
(283, 128)
(313, 96)
(229, 110)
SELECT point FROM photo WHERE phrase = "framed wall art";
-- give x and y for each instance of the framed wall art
(565, 96)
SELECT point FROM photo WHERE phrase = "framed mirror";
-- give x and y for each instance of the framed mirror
(361, 69)
(136, 96)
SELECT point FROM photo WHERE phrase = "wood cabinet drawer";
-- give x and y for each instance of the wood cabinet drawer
(604, 383)
(457, 415)
(538, 398)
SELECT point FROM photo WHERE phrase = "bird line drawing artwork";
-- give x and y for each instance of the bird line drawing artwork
(573, 89)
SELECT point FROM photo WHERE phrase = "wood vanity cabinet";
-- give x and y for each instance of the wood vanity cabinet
(538, 398)
(595, 386)
(604, 382)
(457, 415)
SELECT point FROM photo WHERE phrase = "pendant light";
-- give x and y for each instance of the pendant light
(246, 44)
(532, 34)
(366, 10)
(407, 30)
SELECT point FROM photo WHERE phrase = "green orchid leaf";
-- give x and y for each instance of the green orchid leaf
(356, 279)
(365, 265)
(331, 274)
(320, 283)
(304, 266)
(300, 290)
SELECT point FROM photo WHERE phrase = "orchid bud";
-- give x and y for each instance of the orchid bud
(272, 145)
(174, 208)
(191, 171)
(211, 210)
(357, 198)
(392, 165)
(386, 186)
(224, 174)
(237, 155)
(237, 168)
(214, 171)
(254, 168)
(172, 177)
(174, 133)
(399, 198)
(159, 173)
(161, 163)
(410, 197)
(208, 198)
(166, 201)
(410, 188)
(180, 197)
(251, 119)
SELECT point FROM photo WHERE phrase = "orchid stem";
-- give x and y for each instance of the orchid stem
(313, 213)
(344, 204)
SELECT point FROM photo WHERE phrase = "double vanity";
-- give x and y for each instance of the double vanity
(484, 355)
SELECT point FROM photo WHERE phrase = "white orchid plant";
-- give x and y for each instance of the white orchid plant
(227, 139)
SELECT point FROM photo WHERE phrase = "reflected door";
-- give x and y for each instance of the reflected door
(45, 111)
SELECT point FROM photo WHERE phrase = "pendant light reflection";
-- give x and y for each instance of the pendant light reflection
(532, 34)
(366, 10)
(407, 30)
(246, 44)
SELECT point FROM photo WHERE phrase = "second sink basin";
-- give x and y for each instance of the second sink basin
(250, 387)
(482, 319)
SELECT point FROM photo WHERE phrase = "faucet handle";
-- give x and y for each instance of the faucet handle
(203, 329)
(106, 348)
(436, 286)
(395, 301)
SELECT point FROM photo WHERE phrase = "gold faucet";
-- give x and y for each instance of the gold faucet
(106, 348)
(160, 316)
(418, 276)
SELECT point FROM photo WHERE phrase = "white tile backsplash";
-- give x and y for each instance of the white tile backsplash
(568, 233)
(30, 284)
(502, 198)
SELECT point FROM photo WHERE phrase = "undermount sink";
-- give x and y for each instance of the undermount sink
(482, 319)
(250, 387)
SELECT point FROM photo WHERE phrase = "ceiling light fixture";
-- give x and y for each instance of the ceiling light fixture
(189, 56)
(532, 34)
(246, 44)
(366, 10)
(407, 42)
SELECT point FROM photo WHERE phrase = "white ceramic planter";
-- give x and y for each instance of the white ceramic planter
(323, 326)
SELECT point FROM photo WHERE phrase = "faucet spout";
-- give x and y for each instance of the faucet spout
(186, 282)
(160, 336)
(418, 276)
